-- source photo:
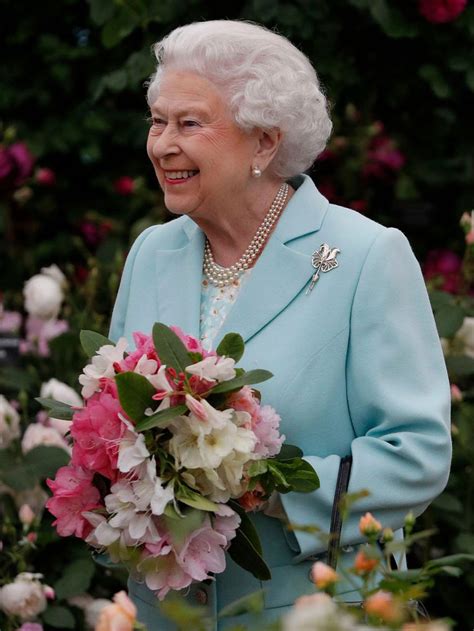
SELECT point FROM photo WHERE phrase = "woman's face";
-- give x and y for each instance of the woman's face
(201, 158)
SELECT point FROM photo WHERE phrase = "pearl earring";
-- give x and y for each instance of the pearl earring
(256, 172)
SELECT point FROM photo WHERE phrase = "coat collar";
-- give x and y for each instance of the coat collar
(281, 272)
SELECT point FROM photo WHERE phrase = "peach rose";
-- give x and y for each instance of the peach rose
(383, 605)
(323, 575)
(364, 564)
(369, 526)
(119, 616)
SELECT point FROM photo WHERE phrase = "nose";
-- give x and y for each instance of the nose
(164, 144)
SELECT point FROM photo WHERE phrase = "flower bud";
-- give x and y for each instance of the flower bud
(49, 592)
(369, 526)
(383, 605)
(26, 515)
(323, 575)
(364, 564)
(410, 520)
(456, 394)
(387, 535)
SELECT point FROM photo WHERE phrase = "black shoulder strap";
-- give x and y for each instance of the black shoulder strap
(336, 517)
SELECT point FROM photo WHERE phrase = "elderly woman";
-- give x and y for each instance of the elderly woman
(331, 302)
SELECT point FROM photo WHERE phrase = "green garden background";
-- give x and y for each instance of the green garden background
(76, 188)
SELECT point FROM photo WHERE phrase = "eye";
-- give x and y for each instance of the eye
(190, 123)
(155, 121)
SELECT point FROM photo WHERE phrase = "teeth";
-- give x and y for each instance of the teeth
(180, 175)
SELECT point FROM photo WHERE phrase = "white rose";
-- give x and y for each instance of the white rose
(59, 391)
(43, 296)
(465, 336)
(23, 598)
(37, 434)
(9, 423)
(317, 611)
(55, 273)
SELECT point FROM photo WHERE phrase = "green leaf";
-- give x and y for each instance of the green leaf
(257, 468)
(182, 527)
(249, 377)
(449, 503)
(117, 28)
(460, 365)
(294, 475)
(232, 345)
(288, 452)
(45, 461)
(135, 394)
(57, 409)
(161, 418)
(244, 554)
(171, 350)
(19, 477)
(92, 341)
(452, 559)
(101, 10)
(247, 527)
(449, 319)
(392, 20)
(194, 499)
(184, 615)
(76, 579)
(59, 617)
(252, 603)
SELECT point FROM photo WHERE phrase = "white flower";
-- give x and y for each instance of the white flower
(146, 366)
(160, 382)
(9, 423)
(465, 336)
(37, 434)
(43, 295)
(132, 451)
(102, 366)
(208, 417)
(24, 597)
(151, 491)
(317, 612)
(213, 368)
(59, 391)
(55, 273)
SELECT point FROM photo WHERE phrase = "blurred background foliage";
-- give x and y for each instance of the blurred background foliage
(76, 186)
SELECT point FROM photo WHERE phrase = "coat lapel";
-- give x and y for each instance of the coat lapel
(179, 274)
(284, 269)
(281, 273)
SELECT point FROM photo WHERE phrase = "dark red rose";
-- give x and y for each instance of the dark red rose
(445, 265)
(124, 185)
(45, 177)
(439, 11)
(16, 164)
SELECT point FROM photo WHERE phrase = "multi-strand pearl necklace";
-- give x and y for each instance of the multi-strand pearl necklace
(221, 276)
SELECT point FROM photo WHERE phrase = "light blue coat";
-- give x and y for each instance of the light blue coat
(357, 366)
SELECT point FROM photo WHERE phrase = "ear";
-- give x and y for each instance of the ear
(268, 142)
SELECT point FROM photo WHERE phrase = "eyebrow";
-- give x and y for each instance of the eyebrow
(184, 111)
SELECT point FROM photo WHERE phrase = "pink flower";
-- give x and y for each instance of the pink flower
(73, 493)
(203, 552)
(439, 11)
(163, 572)
(16, 164)
(118, 616)
(45, 177)
(383, 158)
(39, 333)
(446, 265)
(266, 430)
(30, 626)
(245, 401)
(369, 526)
(97, 430)
(10, 321)
(252, 500)
(143, 346)
(192, 344)
(124, 185)
(456, 394)
(94, 233)
(470, 237)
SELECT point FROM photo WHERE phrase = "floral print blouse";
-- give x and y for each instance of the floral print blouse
(216, 302)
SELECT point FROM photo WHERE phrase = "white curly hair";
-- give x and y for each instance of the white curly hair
(267, 82)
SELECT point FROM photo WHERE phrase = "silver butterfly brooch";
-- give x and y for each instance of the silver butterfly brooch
(323, 260)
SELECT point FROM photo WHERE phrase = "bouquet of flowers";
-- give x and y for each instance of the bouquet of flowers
(170, 451)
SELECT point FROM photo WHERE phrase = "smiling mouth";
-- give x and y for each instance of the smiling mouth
(179, 176)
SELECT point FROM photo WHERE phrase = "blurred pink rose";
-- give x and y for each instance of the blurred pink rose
(383, 158)
(39, 333)
(446, 265)
(439, 11)
(30, 626)
(124, 185)
(45, 177)
(118, 616)
(94, 233)
(10, 321)
(16, 164)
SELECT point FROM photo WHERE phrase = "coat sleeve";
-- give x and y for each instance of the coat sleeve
(398, 397)
(119, 313)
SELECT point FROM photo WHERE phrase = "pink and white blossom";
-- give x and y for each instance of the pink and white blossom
(213, 368)
(102, 365)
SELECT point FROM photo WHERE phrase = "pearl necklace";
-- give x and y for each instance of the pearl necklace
(222, 276)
